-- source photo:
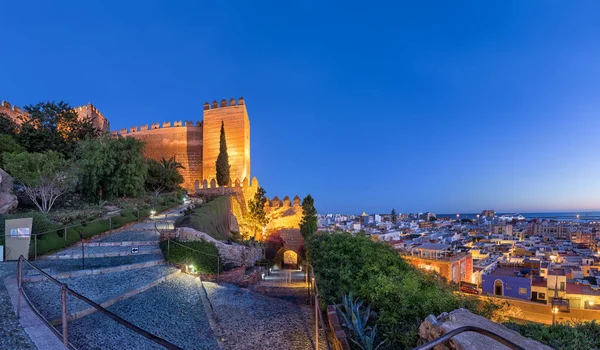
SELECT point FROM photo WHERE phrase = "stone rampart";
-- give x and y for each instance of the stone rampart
(14, 113)
(184, 142)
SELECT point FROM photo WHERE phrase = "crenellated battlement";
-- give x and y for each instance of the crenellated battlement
(283, 203)
(153, 126)
(16, 113)
(232, 103)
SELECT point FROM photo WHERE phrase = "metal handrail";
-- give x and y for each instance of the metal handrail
(500, 339)
(318, 311)
(65, 289)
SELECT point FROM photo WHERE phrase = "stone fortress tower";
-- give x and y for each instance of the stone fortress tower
(196, 144)
(237, 134)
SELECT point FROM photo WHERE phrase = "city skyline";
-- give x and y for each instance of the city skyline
(454, 108)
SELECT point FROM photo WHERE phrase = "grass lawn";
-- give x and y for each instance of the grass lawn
(210, 218)
(55, 240)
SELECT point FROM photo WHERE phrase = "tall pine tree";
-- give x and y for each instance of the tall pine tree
(223, 160)
(308, 225)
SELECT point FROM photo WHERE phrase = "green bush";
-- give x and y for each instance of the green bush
(565, 336)
(204, 261)
(401, 295)
(211, 218)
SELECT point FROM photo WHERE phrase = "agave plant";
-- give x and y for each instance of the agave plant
(357, 320)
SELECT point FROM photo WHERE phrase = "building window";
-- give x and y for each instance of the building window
(541, 295)
(523, 291)
(562, 286)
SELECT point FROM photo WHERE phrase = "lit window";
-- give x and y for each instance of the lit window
(541, 295)
(523, 291)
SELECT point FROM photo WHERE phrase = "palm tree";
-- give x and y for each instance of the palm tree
(171, 163)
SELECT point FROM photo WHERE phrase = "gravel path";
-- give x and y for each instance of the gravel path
(129, 236)
(173, 311)
(252, 321)
(64, 265)
(98, 288)
(12, 335)
(91, 251)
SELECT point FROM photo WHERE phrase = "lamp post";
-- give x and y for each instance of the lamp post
(554, 311)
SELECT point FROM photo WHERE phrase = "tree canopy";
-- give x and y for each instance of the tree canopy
(308, 225)
(222, 163)
(257, 217)
(54, 126)
(8, 144)
(45, 176)
(163, 175)
(111, 167)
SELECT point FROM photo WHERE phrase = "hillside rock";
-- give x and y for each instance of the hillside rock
(434, 327)
(8, 201)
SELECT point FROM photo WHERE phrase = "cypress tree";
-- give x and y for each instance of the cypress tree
(308, 225)
(223, 160)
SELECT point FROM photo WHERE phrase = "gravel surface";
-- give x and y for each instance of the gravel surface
(129, 236)
(99, 288)
(173, 311)
(64, 265)
(107, 250)
(12, 335)
(253, 321)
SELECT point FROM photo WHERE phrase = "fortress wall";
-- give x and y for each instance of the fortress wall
(92, 112)
(237, 133)
(183, 142)
(14, 113)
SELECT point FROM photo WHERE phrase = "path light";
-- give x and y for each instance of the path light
(152, 212)
(263, 276)
(554, 311)
(192, 268)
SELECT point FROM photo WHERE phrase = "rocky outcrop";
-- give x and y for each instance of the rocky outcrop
(234, 254)
(8, 201)
(434, 327)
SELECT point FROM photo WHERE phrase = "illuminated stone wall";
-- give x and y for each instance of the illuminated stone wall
(17, 114)
(285, 217)
(237, 134)
(182, 140)
(445, 267)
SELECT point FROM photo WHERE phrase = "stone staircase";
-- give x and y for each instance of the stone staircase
(135, 284)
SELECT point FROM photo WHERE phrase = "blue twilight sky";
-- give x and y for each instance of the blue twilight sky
(446, 106)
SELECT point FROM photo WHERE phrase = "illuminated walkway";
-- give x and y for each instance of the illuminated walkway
(271, 315)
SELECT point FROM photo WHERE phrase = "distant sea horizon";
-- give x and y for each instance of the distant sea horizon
(559, 216)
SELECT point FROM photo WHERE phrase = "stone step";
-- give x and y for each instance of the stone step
(133, 234)
(55, 266)
(104, 289)
(172, 310)
(102, 252)
(34, 276)
(115, 244)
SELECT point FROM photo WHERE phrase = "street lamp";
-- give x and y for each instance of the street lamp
(554, 311)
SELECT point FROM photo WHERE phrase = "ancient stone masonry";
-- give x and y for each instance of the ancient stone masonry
(18, 115)
(196, 144)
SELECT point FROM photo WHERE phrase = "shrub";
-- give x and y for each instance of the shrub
(203, 256)
(566, 336)
(401, 295)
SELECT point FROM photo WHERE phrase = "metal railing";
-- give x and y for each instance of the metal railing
(36, 237)
(64, 290)
(312, 287)
(444, 338)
